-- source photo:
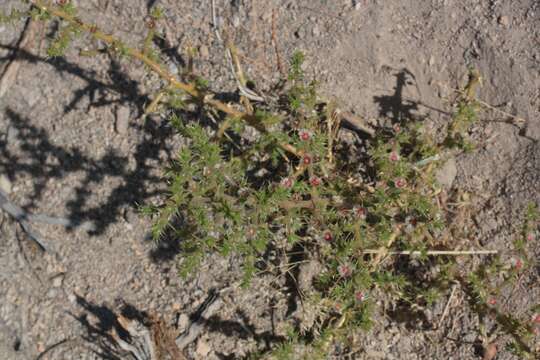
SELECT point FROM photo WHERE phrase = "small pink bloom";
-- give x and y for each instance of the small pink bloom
(397, 128)
(328, 236)
(400, 183)
(306, 159)
(360, 296)
(360, 212)
(530, 237)
(304, 134)
(344, 271)
(410, 224)
(287, 183)
(517, 263)
(492, 301)
(394, 156)
(315, 181)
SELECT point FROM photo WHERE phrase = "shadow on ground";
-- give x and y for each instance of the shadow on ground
(100, 321)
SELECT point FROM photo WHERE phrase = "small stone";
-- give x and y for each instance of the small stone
(183, 322)
(447, 174)
(204, 52)
(58, 280)
(236, 21)
(316, 31)
(52, 293)
(72, 298)
(504, 20)
(5, 184)
(202, 348)
(12, 134)
(122, 120)
(173, 69)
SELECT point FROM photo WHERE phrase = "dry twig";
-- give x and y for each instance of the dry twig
(432, 252)
(209, 308)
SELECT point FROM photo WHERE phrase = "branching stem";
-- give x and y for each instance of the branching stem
(158, 69)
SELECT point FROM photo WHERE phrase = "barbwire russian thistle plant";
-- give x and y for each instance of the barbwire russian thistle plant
(275, 178)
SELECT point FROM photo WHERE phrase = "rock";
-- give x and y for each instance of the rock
(52, 293)
(504, 20)
(5, 184)
(202, 349)
(204, 52)
(122, 120)
(72, 298)
(58, 280)
(183, 322)
(173, 69)
(316, 31)
(447, 174)
(12, 134)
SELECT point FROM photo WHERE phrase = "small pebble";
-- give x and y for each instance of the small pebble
(202, 348)
(504, 20)
(204, 52)
(5, 184)
(122, 120)
(52, 293)
(183, 322)
(58, 280)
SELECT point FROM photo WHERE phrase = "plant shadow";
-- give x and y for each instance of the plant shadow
(98, 332)
(395, 106)
(35, 153)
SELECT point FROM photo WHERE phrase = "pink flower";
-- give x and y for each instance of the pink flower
(344, 271)
(397, 128)
(492, 301)
(360, 212)
(360, 296)
(287, 183)
(327, 236)
(315, 181)
(394, 156)
(400, 183)
(304, 134)
(530, 237)
(517, 263)
(410, 224)
(306, 159)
